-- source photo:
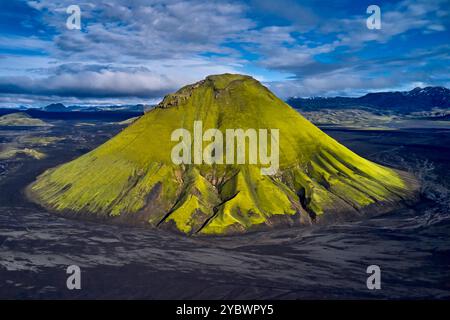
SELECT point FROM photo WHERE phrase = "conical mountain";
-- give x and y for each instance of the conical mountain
(132, 178)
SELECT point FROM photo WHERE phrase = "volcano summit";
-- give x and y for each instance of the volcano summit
(132, 179)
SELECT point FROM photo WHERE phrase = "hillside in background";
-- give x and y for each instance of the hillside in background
(21, 119)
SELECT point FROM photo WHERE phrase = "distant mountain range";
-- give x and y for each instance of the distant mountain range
(404, 102)
(426, 102)
(102, 115)
(58, 111)
(59, 107)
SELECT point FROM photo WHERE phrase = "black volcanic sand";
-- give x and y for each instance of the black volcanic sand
(412, 245)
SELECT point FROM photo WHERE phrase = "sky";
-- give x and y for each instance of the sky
(137, 51)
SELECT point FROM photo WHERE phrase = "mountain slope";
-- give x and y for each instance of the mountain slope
(132, 179)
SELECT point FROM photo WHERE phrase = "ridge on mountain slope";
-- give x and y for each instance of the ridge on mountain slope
(132, 179)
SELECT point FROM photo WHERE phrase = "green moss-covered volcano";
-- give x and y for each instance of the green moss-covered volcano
(132, 179)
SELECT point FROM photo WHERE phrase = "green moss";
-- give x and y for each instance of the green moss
(132, 174)
(196, 203)
(253, 200)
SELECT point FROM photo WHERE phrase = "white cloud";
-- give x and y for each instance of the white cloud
(146, 48)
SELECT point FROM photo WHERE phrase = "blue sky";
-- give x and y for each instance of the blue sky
(137, 51)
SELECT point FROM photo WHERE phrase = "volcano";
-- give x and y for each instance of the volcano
(132, 178)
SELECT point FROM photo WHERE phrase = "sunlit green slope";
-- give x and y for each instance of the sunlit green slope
(21, 119)
(132, 179)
